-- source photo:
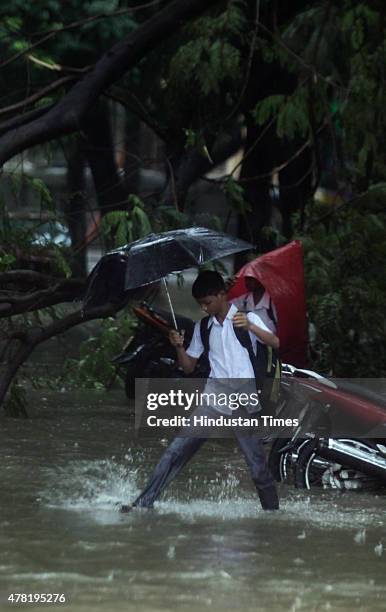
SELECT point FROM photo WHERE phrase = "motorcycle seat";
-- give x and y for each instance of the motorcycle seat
(357, 389)
(362, 392)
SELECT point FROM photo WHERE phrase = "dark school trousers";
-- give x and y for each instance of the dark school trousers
(183, 448)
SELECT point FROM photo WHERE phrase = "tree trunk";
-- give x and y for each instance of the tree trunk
(295, 182)
(98, 148)
(190, 164)
(257, 161)
(75, 207)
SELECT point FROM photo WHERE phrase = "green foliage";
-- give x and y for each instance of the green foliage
(273, 237)
(235, 195)
(209, 58)
(268, 107)
(126, 226)
(346, 286)
(60, 261)
(337, 52)
(21, 21)
(291, 113)
(6, 262)
(213, 64)
(192, 138)
(42, 191)
(167, 218)
(94, 367)
(332, 56)
(199, 74)
(31, 237)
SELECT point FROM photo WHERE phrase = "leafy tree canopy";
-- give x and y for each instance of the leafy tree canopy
(300, 84)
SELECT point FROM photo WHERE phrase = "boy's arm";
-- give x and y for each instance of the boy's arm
(185, 361)
(267, 337)
(253, 323)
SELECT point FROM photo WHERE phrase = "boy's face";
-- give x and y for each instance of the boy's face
(252, 284)
(212, 304)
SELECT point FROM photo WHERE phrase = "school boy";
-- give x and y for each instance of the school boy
(228, 359)
(257, 300)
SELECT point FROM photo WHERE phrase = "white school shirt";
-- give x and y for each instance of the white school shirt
(246, 303)
(228, 358)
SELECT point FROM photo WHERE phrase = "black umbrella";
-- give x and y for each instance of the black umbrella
(153, 257)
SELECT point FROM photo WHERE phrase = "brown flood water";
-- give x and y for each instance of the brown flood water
(206, 545)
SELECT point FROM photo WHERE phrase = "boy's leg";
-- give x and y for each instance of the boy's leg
(254, 453)
(180, 451)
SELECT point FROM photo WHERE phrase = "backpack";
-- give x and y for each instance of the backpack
(266, 363)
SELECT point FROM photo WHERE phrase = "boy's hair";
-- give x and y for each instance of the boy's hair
(207, 283)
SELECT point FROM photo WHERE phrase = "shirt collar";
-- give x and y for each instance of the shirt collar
(231, 313)
(263, 302)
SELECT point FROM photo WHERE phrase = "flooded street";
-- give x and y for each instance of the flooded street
(207, 544)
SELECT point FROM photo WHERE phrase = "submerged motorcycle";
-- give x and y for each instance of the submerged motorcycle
(310, 456)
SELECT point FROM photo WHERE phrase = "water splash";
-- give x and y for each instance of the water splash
(171, 554)
(360, 537)
(96, 485)
(104, 484)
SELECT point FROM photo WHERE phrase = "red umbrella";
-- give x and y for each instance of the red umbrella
(281, 272)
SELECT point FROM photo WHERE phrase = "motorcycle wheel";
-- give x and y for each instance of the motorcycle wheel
(312, 470)
(309, 467)
(281, 463)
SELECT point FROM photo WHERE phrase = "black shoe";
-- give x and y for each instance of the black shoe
(268, 498)
(125, 508)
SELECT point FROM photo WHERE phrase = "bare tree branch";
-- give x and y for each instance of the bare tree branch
(32, 337)
(36, 96)
(44, 291)
(20, 120)
(66, 116)
(29, 277)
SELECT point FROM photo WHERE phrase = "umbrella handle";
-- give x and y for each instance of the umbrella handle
(170, 304)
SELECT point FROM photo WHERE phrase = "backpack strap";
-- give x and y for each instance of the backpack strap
(266, 366)
(264, 362)
(241, 334)
(205, 333)
(257, 359)
(271, 313)
(203, 363)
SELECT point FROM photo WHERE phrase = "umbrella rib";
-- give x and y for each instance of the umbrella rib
(189, 252)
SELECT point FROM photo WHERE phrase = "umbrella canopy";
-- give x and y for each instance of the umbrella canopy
(157, 255)
(282, 275)
(153, 257)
